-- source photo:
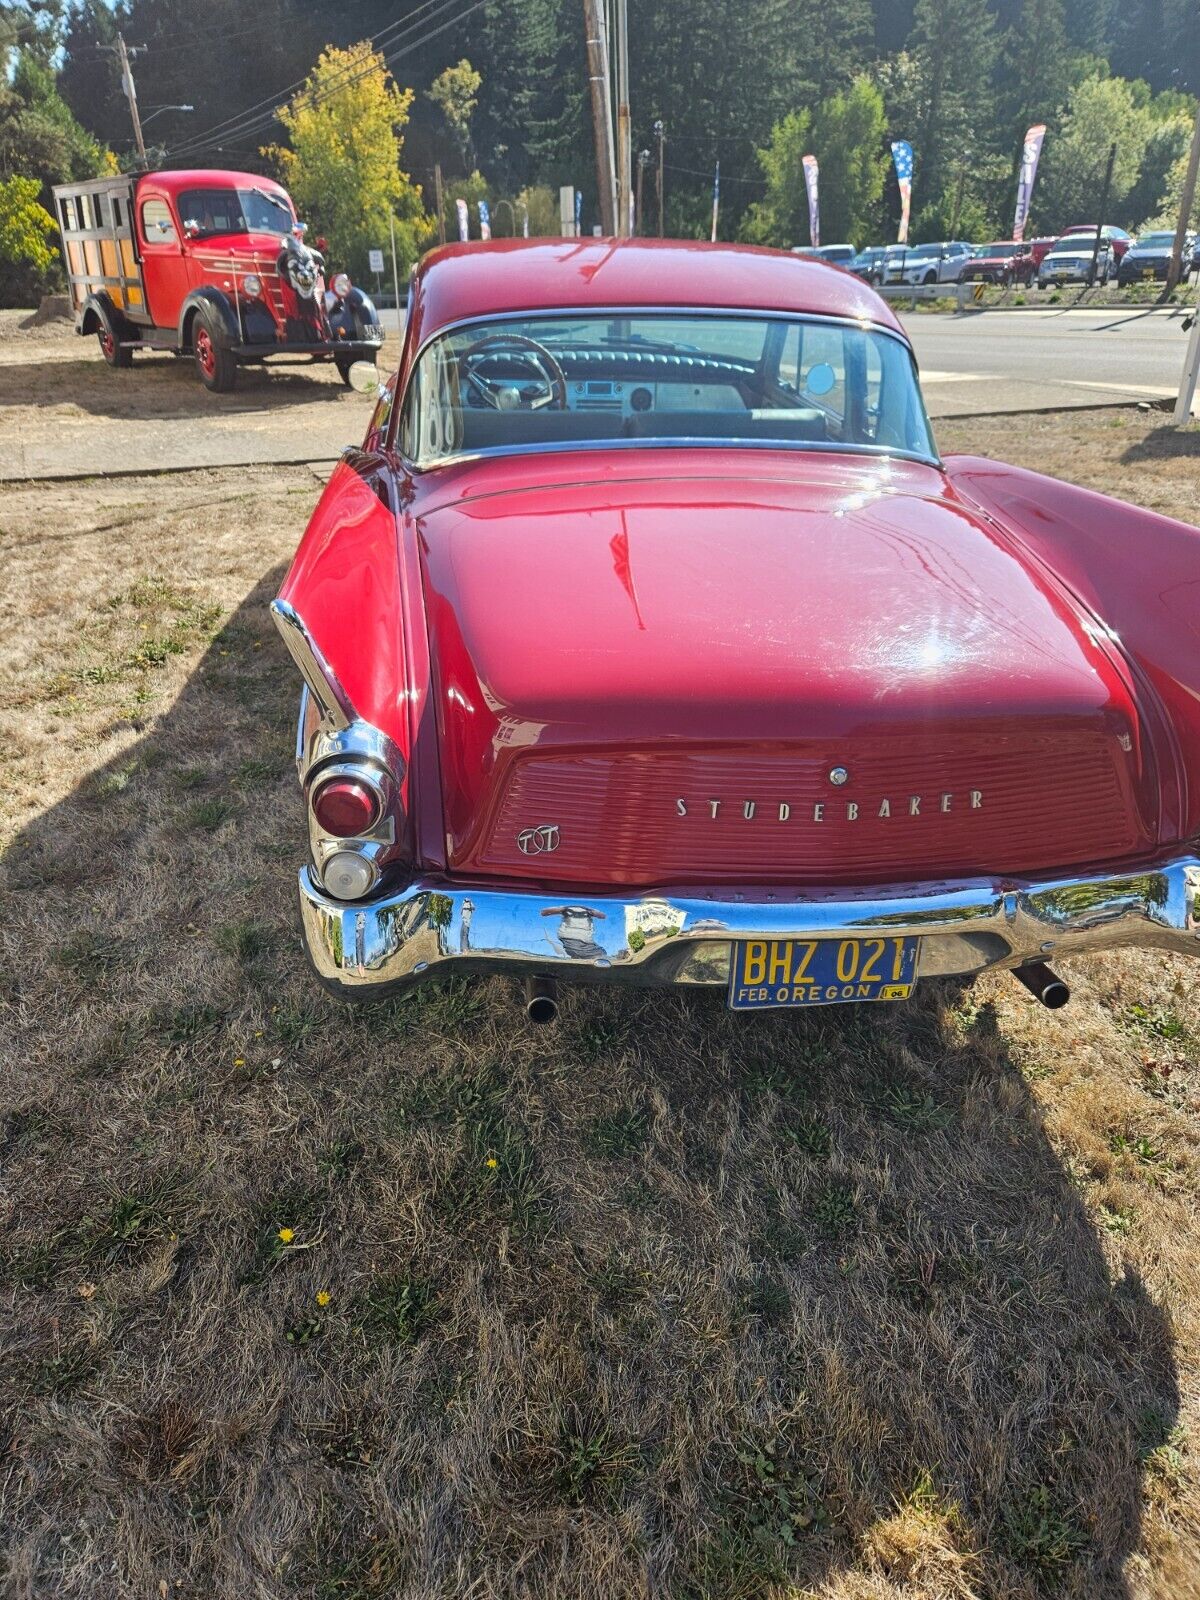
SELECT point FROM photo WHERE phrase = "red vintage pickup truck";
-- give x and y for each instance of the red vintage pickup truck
(211, 264)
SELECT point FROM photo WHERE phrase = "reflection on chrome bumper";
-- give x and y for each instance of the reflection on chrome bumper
(433, 930)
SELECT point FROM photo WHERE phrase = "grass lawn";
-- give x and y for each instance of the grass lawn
(298, 1300)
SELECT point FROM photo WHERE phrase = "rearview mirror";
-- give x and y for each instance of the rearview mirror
(364, 377)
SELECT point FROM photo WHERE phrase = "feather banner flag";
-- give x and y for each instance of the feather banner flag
(902, 155)
(1030, 156)
(485, 220)
(809, 163)
(464, 220)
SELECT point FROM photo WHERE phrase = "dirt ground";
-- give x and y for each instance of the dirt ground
(890, 1303)
(62, 410)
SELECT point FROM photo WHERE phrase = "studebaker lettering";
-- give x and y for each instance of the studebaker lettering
(851, 810)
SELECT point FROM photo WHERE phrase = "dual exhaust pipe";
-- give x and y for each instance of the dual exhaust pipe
(541, 994)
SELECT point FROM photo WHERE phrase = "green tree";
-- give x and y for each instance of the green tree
(846, 133)
(1100, 112)
(39, 137)
(455, 91)
(343, 167)
(954, 44)
(27, 258)
(781, 217)
(849, 141)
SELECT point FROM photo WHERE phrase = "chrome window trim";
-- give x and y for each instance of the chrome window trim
(750, 313)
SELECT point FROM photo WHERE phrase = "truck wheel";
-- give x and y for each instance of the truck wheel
(112, 351)
(215, 365)
(343, 364)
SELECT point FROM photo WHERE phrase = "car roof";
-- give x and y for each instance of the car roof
(465, 282)
(177, 180)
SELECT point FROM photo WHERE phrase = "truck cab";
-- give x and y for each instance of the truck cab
(207, 263)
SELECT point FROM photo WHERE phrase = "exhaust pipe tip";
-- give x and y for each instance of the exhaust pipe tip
(541, 1000)
(1043, 984)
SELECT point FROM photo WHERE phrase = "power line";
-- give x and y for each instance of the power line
(254, 118)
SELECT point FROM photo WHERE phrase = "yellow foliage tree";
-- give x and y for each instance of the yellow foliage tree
(343, 168)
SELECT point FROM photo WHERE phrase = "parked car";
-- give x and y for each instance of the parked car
(1006, 261)
(841, 255)
(1116, 237)
(928, 263)
(868, 264)
(1149, 257)
(1070, 261)
(210, 264)
(654, 643)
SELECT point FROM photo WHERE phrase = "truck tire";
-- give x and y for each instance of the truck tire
(216, 366)
(343, 364)
(111, 350)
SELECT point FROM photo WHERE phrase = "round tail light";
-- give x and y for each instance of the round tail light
(345, 807)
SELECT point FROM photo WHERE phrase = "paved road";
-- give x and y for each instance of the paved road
(1027, 360)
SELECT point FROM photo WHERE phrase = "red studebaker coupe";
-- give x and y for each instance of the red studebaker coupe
(649, 640)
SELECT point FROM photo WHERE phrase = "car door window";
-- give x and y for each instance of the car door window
(157, 224)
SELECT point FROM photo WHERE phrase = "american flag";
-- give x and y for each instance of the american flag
(902, 155)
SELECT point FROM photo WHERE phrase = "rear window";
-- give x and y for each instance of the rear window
(570, 382)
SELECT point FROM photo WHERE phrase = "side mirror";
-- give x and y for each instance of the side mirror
(364, 377)
(820, 380)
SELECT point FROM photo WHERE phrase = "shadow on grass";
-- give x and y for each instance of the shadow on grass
(1166, 444)
(665, 1301)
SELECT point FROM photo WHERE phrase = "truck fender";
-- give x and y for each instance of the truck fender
(226, 316)
(97, 314)
(355, 313)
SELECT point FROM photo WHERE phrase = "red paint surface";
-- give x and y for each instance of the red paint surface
(172, 268)
(608, 645)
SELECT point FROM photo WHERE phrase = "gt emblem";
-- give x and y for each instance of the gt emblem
(538, 841)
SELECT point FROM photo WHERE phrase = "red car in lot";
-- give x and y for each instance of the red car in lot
(648, 639)
(206, 263)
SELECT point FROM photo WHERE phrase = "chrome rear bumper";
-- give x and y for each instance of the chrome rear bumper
(434, 930)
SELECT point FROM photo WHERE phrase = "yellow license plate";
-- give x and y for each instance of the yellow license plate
(821, 972)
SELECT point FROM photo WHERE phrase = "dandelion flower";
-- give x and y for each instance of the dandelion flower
(491, 1162)
(323, 1297)
(286, 1235)
(239, 1061)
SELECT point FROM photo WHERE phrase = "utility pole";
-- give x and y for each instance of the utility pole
(441, 201)
(124, 56)
(624, 137)
(1108, 172)
(1175, 270)
(643, 163)
(659, 135)
(602, 128)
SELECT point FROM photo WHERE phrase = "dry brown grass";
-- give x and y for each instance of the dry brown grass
(896, 1302)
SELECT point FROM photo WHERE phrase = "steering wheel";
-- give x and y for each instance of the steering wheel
(509, 398)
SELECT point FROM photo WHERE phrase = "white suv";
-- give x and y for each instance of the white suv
(928, 263)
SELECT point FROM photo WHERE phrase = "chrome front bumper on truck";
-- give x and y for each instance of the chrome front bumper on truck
(435, 930)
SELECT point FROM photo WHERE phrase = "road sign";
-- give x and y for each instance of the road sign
(375, 258)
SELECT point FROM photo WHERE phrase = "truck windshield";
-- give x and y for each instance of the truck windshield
(618, 379)
(234, 211)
